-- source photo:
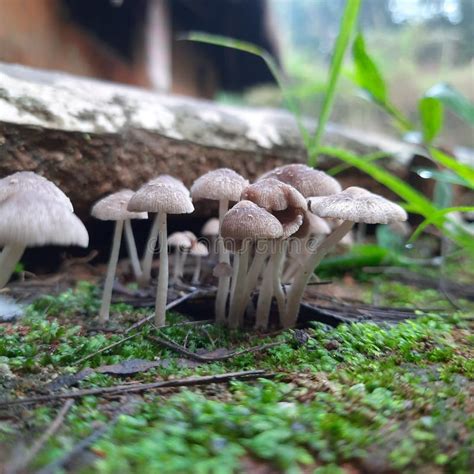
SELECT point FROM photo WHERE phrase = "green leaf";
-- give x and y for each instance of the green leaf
(346, 29)
(369, 78)
(431, 115)
(367, 74)
(445, 176)
(453, 100)
(466, 172)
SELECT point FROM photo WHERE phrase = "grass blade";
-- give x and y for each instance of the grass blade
(346, 29)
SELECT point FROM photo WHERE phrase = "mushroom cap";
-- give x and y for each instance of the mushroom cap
(198, 249)
(179, 239)
(211, 227)
(33, 220)
(358, 205)
(114, 207)
(222, 183)
(172, 181)
(248, 221)
(29, 181)
(308, 181)
(156, 196)
(274, 195)
(190, 235)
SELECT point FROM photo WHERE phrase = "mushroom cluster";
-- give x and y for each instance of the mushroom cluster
(269, 242)
(269, 238)
(34, 212)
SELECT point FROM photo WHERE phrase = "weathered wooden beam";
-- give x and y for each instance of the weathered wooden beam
(93, 137)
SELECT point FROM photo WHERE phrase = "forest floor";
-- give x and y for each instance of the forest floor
(366, 397)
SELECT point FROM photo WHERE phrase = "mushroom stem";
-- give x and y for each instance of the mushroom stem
(182, 261)
(162, 287)
(277, 272)
(237, 308)
(299, 283)
(176, 265)
(265, 296)
(197, 271)
(149, 251)
(132, 250)
(234, 278)
(223, 285)
(9, 257)
(104, 313)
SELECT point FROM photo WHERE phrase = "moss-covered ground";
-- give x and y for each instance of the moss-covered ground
(356, 398)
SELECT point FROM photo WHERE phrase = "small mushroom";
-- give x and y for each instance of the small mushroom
(198, 250)
(33, 219)
(351, 205)
(143, 198)
(221, 185)
(210, 231)
(180, 241)
(114, 208)
(162, 198)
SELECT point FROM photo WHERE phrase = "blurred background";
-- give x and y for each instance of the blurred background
(417, 43)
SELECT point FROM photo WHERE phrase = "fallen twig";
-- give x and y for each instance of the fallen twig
(55, 466)
(168, 307)
(141, 387)
(165, 341)
(138, 324)
(38, 445)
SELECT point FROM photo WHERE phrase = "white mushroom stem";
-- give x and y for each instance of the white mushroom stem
(176, 265)
(239, 300)
(182, 261)
(234, 278)
(278, 262)
(265, 296)
(149, 251)
(224, 282)
(162, 287)
(104, 313)
(298, 286)
(197, 270)
(9, 257)
(132, 250)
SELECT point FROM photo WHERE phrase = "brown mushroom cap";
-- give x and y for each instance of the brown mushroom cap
(248, 221)
(308, 181)
(31, 219)
(157, 196)
(281, 199)
(274, 195)
(29, 181)
(222, 183)
(358, 205)
(114, 207)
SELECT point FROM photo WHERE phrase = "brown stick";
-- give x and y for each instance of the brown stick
(164, 341)
(136, 325)
(220, 378)
(42, 440)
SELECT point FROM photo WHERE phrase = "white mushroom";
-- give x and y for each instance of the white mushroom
(162, 198)
(114, 208)
(32, 219)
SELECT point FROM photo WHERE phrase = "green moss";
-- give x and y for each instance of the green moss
(399, 394)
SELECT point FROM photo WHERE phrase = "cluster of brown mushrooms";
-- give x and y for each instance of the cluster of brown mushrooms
(268, 243)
